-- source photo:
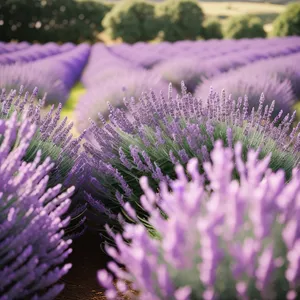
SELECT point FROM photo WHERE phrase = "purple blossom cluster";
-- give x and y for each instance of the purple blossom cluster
(238, 84)
(113, 90)
(32, 248)
(11, 47)
(30, 76)
(226, 239)
(102, 65)
(125, 67)
(109, 78)
(148, 55)
(61, 65)
(278, 77)
(66, 66)
(195, 69)
(157, 132)
(25, 53)
(53, 137)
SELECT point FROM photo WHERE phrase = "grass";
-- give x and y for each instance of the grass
(69, 107)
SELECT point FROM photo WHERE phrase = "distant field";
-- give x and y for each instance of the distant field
(227, 9)
(223, 10)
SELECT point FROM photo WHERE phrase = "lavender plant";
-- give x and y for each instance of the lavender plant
(227, 239)
(192, 70)
(160, 133)
(274, 87)
(113, 90)
(30, 76)
(32, 248)
(54, 139)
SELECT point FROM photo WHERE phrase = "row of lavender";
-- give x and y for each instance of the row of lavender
(54, 68)
(242, 204)
(125, 70)
(136, 66)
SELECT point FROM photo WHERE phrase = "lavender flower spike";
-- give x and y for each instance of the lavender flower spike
(228, 240)
(32, 248)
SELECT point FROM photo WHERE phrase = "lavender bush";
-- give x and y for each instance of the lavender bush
(243, 51)
(257, 80)
(163, 132)
(130, 84)
(55, 74)
(204, 63)
(192, 70)
(12, 46)
(283, 68)
(30, 76)
(54, 139)
(66, 66)
(32, 53)
(226, 240)
(32, 250)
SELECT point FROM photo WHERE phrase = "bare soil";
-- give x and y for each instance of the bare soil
(87, 258)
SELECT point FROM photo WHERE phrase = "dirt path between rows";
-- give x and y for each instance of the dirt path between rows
(87, 258)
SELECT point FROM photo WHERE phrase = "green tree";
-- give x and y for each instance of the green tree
(213, 29)
(245, 27)
(288, 23)
(132, 20)
(181, 19)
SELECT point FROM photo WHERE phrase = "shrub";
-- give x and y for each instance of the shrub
(129, 84)
(32, 249)
(283, 68)
(160, 132)
(213, 30)
(238, 84)
(180, 20)
(132, 20)
(288, 23)
(54, 140)
(30, 76)
(244, 27)
(191, 70)
(233, 240)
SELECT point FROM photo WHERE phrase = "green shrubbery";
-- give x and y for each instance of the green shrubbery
(132, 20)
(244, 27)
(288, 23)
(51, 20)
(180, 20)
(213, 29)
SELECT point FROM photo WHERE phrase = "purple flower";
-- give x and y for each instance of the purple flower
(114, 90)
(226, 240)
(157, 132)
(33, 250)
(52, 136)
(53, 68)
(190, 70)
(30, 76)
(253, 84)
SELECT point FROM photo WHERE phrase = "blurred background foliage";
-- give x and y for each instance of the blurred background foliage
(51, 20)
(140, 20)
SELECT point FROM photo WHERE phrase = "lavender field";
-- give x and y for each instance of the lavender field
(173, 168)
